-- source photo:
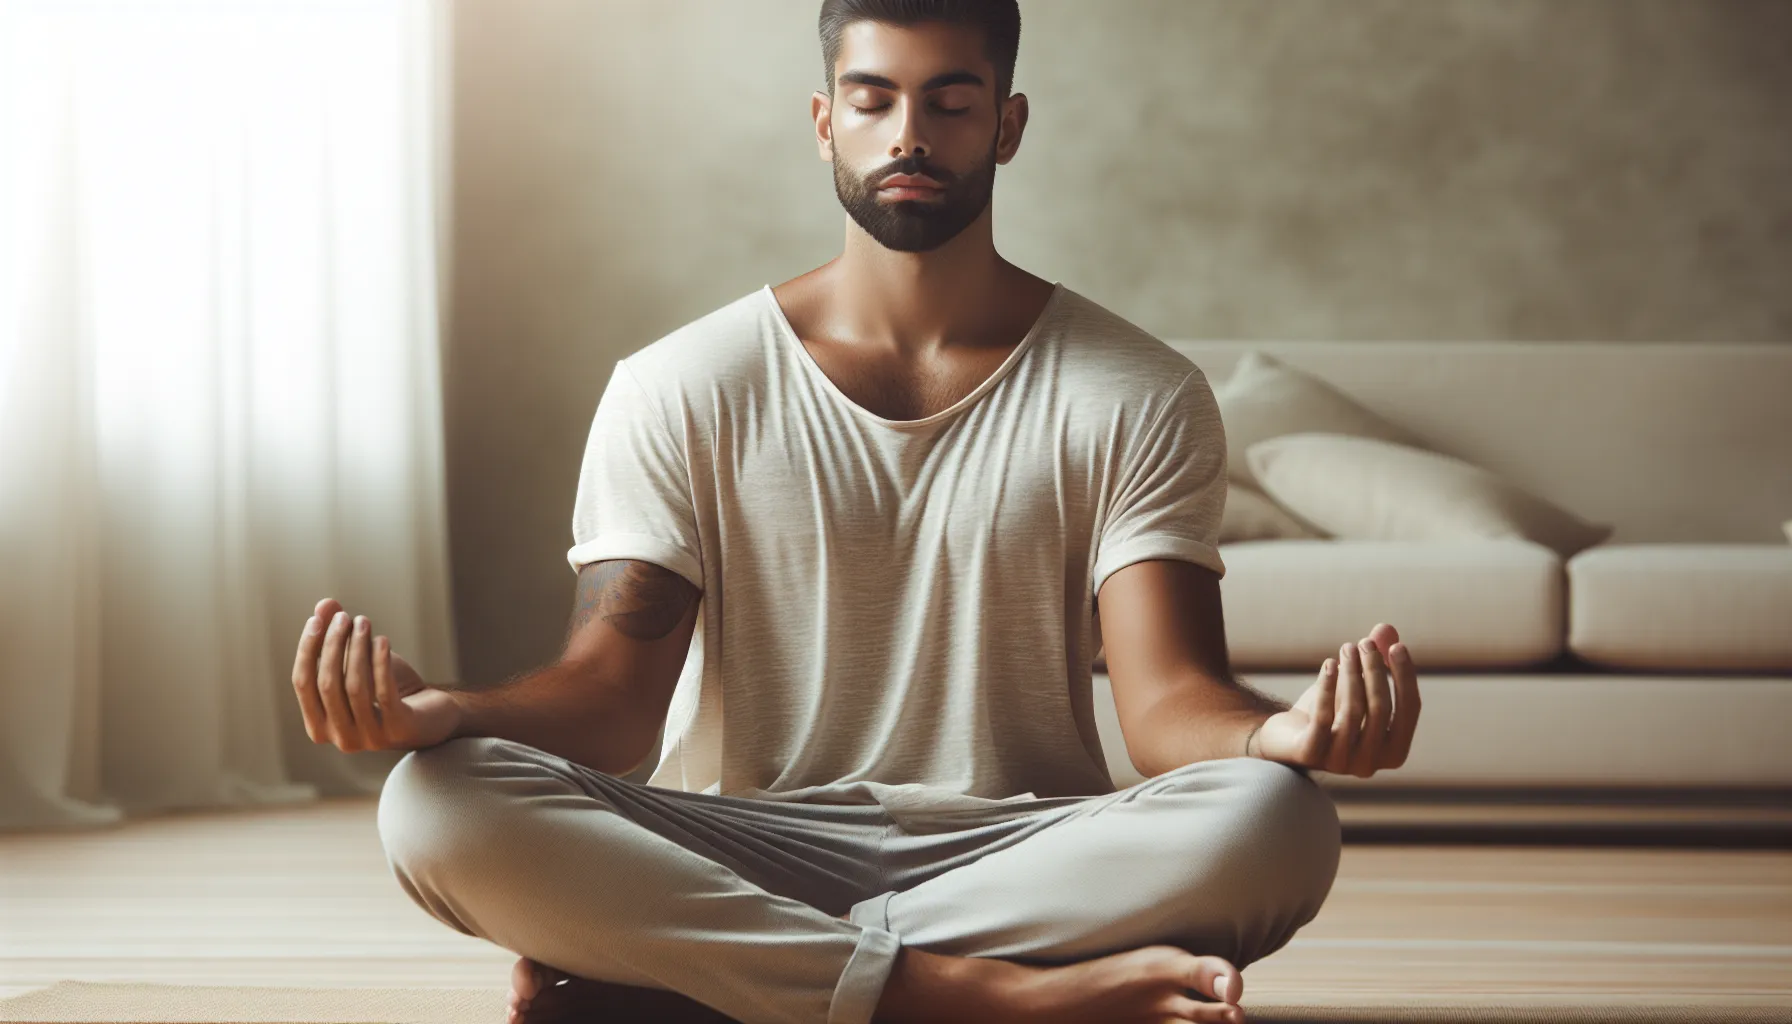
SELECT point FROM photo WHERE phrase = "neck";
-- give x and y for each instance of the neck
(919, 300)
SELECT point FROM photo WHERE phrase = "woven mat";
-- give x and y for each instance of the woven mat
(80, 1002)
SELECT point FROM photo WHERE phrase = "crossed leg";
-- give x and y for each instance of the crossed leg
(776, 913)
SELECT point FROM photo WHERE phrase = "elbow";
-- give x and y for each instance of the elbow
(641, 757)
(1140, 750)
(622, 726)
(1147, 766)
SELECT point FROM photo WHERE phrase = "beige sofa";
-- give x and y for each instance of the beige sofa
(1661, 657)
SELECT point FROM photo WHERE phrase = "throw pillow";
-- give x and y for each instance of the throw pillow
(1251, 515)
(1367, 489)
(1267, 398)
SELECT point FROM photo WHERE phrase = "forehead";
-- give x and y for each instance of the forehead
(911, 56)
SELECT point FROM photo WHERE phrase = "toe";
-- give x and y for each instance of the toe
(1217, 978)
(528, 978)
(523, 984)
(1206, 1013)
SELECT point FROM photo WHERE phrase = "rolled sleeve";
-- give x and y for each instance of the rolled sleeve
(1172, 494)
(634, 492)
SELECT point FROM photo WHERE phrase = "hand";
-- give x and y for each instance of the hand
(1355, 728)
(357, 694)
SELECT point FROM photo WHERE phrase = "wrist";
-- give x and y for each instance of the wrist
(462, 716)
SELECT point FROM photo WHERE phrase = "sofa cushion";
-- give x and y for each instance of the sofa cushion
(1709, 607)
(1542, 729)
(1362, 488)
(1265, 398)
(1251, 515)
(1289, 604)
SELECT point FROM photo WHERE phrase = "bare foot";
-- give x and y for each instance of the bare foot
(527, 981)
(1145, 984)
(539, 994)
(1148, 985)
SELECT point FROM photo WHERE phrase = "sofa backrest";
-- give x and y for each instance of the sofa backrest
(1668, 442)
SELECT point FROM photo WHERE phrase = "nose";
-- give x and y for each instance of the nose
(909, 143)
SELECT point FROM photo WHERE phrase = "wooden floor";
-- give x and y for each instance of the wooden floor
(303, 897)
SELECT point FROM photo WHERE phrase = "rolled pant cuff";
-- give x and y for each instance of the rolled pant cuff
(862, 982)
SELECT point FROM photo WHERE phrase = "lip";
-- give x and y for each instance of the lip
(909, 183)
(910, 192)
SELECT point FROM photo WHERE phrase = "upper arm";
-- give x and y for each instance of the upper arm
(1161, 624)
(631, 626)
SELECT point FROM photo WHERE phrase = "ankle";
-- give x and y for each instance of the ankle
(929, 987)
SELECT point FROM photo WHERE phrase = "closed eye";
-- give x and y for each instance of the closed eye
(949, 111)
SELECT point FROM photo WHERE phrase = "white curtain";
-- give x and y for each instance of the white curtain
(220, 388)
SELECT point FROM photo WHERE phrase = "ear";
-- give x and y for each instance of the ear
(1013, 124)
(821, 108)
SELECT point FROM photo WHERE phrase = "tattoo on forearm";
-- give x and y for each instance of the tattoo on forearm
(642, 600)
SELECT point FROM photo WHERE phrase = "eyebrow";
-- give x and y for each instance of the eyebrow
(960, 77)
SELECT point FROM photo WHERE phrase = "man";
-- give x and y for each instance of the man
(855, 541)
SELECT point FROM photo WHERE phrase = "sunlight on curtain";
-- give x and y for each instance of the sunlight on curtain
(220, 394)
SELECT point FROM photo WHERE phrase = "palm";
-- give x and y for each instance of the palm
(1283, 733)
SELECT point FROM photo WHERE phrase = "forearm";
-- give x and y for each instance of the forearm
(561, 709)
(1206, 720)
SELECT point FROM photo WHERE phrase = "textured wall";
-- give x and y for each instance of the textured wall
(1405, 169)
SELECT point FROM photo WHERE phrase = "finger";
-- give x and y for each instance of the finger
(341, 724)
(385, 688)
(304, 680)
(1318, 741)
(358, 681)
(1385, 637)
(1311, 694)
(1377, 708)
(1406, 708)
(1347, 725)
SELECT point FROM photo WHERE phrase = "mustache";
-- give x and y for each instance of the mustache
(910, 166)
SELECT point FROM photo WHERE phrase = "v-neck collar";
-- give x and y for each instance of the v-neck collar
(788, 334)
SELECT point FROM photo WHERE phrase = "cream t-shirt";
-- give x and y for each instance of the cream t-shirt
(897, 611)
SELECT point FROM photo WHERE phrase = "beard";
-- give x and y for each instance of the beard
(917, 225)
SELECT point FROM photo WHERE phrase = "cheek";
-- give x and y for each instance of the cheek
(859, 151)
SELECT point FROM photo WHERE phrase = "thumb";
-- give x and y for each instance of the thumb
(1309, 699)
(407, 679)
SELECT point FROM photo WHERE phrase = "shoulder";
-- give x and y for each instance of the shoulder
(1113, 362)
(722, 347)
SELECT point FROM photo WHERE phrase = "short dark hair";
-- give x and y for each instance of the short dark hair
(999, 20)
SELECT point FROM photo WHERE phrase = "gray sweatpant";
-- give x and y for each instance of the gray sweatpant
(732, 900)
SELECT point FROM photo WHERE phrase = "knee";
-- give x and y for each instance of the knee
(1289, 841)
(1284, 803)
(428, 806)
(1295, 812)
(1270, 841)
